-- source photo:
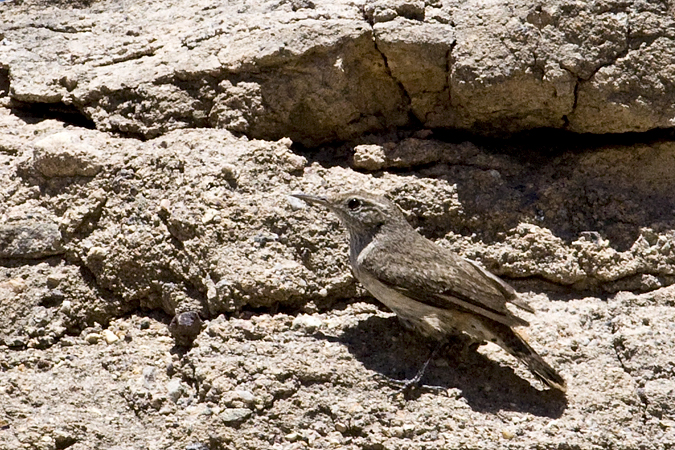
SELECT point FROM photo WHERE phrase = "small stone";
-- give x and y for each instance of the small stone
(110, 337)
(185, 327)
(229, 172)
(196, 446)
(292, 437)
(309, 323)
(369, 157)
(397, 432)
(341, 427)
(167, 409)
(211, 215)
(286, 142)
(245, 396)
(16, 285)
(234, 415)
(145, 324)
(54, 280)
(174, 390)
(66, 155)
(508, 434)
(92, 338)
(66, 306)
(296, 203)
(96, 256)
(206, 411)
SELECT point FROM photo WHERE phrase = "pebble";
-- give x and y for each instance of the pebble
(296, 203)
(54, 280)
(245, 396)
(508, 434)
(292, 437)
(110, 337)
(309, 323)
(174, 390)
(66, 306)
(185, 327)
(92, 338)
(233, 415)
(408, 427)
(196, 446)
(341, 427)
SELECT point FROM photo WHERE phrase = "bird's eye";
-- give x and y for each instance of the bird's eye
(354, 203)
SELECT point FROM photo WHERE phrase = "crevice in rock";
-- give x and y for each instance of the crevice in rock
(138, 54)
(31, 261)
(413, 121)
(448, 71)
(66, 29)
(566, 120)
(70, 4)
(366, 17)
(537, 144)
(37, 112)
(89, 222)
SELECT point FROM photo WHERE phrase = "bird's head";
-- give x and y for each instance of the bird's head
(360, 212)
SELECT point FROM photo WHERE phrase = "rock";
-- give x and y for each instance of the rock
(30, 240)
(92, 338)
(408, 153)
(196, 446)
(66, 307)
(369, 157)
(508, 434)
(185, 327)
(245, 396)
(418, 55)
(307, 322)
(233, 416)
(65, 155)
(147, 151)
(174, 390)
(110, 337)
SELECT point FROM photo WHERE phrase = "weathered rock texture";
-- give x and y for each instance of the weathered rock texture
(146, 157)
(324, 71)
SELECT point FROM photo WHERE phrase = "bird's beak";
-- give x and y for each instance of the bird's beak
(312, 199)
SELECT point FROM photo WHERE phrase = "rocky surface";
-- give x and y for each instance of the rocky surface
(159, 288)
(325, 71)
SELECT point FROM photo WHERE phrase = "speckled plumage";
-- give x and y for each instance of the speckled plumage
(430, 288)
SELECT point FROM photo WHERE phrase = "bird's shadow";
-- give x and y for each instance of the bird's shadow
(382, 345)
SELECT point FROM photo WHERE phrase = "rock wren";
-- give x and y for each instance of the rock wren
(431, 289)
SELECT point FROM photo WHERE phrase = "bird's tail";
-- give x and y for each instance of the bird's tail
(515, 344)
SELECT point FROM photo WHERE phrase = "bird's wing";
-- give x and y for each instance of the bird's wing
(509, 293)
(438, 277)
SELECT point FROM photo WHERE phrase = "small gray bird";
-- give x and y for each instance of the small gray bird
(431, 289)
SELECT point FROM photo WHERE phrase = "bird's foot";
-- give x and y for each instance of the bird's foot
(407, 386)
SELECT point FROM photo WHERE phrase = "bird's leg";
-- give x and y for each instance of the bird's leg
(414, 382)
